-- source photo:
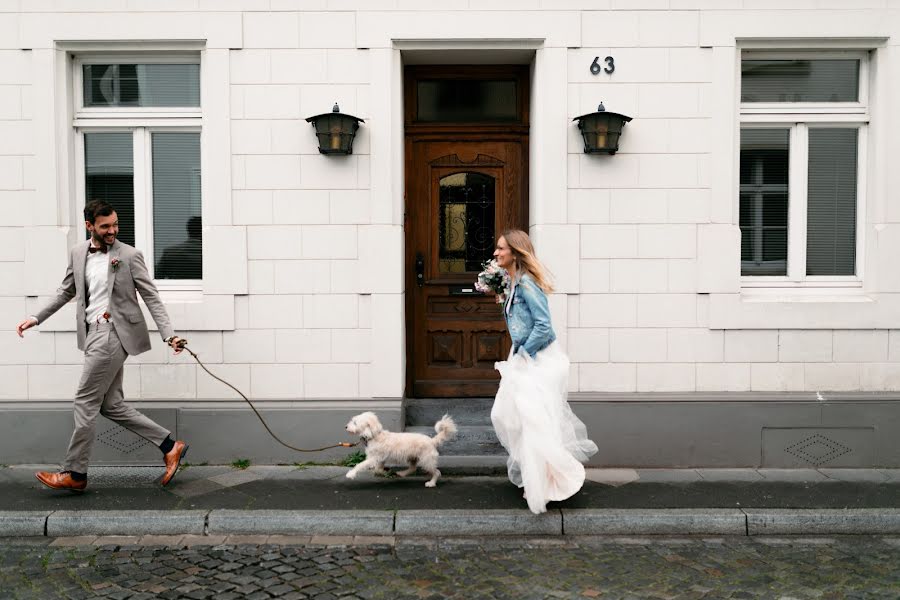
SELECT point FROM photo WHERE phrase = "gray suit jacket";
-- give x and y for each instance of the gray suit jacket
(129, 278)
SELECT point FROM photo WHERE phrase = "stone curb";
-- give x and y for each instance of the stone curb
(21, 523)
(634, 521)
(301, 522)
(833, 521)
(477, 522)
(125, 522)
(699, 521)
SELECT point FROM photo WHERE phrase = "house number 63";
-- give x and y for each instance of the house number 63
(608, 69)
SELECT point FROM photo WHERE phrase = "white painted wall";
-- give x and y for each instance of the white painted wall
(304, 253)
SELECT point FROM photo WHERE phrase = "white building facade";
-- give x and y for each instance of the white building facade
(726, 283)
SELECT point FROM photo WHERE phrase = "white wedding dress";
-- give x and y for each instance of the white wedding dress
(546, 442)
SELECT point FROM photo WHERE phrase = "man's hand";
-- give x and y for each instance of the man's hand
(177, 344)
(26, 324)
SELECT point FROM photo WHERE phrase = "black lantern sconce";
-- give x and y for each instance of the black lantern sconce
(601, 130)
(335, 131)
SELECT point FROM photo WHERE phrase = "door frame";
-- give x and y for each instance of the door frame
(517, 131)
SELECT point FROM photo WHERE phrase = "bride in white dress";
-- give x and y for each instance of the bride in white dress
(546, 442)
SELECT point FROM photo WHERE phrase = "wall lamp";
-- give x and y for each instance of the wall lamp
(601, 130)
(335, 131)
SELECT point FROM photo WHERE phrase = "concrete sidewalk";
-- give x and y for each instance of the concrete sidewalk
(319, 500)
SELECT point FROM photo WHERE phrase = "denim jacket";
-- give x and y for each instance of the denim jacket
(527, 316)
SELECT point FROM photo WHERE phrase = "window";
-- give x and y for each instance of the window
(466, 100)
(141, 85)
(138, 131)
(802, 141)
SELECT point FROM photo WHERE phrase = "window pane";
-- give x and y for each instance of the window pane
(129, 89)
(466, 100)
(142, 85)
(831, 205)
(177, 228)
(764, 201)
(466, 222)
(109, 176)
(799, 80)
(775, 213)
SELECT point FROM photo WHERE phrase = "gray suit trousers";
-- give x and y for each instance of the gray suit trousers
(100, 391)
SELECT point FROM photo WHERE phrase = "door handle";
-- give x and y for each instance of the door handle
(420, 269)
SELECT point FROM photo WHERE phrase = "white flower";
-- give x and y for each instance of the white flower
(493, 278)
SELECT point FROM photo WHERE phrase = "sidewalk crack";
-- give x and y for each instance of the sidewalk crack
(46, 519)
(746, 522)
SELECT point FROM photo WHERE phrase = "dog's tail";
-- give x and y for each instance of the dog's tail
(445, 429)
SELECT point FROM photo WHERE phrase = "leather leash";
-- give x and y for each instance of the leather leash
(183, 344)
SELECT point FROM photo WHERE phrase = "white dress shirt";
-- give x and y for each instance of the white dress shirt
(96, 271)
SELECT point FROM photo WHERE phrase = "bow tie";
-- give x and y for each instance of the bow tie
(102, 249)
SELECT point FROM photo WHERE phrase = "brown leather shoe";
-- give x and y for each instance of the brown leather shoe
(173, 459)
(61, 481)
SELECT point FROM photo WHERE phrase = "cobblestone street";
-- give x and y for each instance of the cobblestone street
(323, 569)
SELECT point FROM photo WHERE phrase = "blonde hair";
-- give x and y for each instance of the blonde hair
(523, 251)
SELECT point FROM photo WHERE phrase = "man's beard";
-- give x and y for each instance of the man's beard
(98, 239)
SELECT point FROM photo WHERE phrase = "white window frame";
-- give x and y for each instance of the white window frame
(799, 118)
(82, 111)
(142, 123)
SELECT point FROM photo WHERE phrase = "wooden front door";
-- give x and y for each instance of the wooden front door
(465, 194)
(466, 181)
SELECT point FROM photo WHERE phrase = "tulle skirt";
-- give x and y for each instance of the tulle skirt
(546, 442)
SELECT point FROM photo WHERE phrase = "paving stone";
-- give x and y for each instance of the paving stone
(485, 522)
(246, 539)
(613, 477)
(160, 540)
(867, 475)
(773, 521)
(75, 540)
(893, 475)
(203, 540)
(23, 523)
(125, 522)
(372, 540)
(614, 521)
(236, 477)
(729, 475)
(667, 475)
(792, 475)
(728, 567)
(117, 540)
(289, 540)
(192, 489)
(337, 522)
(332, 540)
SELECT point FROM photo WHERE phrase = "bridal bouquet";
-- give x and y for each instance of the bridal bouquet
(493, 278)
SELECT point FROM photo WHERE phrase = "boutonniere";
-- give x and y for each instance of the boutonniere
(114, 263)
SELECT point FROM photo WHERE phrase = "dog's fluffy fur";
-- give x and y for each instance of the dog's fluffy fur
(412, 449)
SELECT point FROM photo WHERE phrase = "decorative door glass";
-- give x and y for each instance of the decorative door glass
(465, 222)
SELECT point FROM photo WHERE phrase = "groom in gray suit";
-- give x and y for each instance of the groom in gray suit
(105, 276)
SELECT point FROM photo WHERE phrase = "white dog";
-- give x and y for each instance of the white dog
(413, 449)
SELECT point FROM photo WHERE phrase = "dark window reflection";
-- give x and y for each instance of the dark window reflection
(109, 176)
(174, 85)
(466, 100)
(177, 226)
(800, 80)
(764, 201)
